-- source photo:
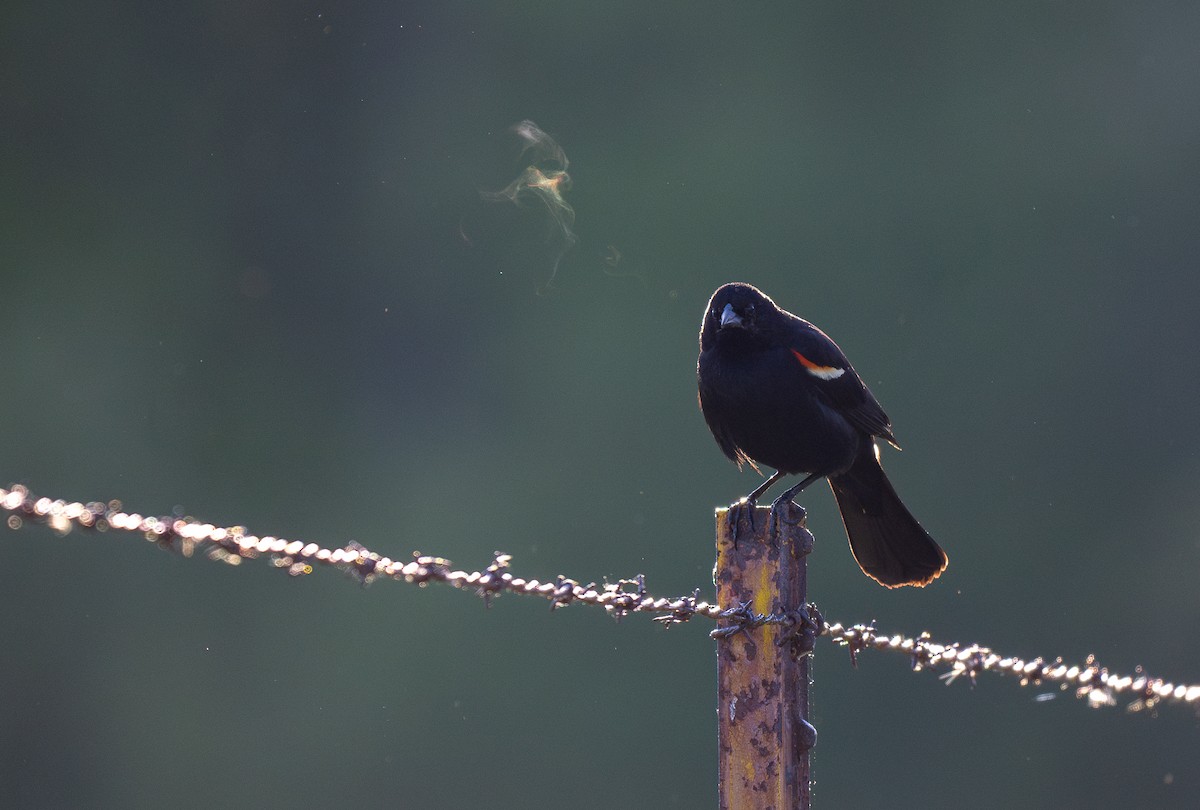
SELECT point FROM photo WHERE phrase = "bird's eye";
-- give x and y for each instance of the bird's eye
(750, 311)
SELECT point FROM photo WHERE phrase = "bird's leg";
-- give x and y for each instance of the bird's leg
(734, 515)
(786, 498)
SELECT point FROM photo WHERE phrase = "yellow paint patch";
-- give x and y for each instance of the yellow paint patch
(762, 593)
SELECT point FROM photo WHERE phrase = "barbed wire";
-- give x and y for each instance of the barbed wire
(1093, 683)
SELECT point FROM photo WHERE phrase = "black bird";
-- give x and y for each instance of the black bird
(776, 390)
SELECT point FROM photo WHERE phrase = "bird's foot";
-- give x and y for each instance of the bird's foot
(785, 512)
(734, 516)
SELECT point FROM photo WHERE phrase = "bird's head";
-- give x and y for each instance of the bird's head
(738, 312)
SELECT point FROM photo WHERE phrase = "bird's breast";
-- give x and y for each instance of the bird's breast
(775, 413)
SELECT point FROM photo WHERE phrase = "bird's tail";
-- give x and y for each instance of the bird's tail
(887, 541)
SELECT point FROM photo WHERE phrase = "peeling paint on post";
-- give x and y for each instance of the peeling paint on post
(763, 734)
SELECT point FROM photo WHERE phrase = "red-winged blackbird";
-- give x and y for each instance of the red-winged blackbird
(776, 390)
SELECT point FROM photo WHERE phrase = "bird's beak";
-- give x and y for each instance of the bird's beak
(729, 317)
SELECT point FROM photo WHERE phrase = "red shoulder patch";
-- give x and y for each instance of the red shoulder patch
(817, 370)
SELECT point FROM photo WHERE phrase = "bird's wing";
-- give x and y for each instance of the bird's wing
(838, 383)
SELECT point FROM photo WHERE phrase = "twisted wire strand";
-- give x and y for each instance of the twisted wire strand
(1091, 682)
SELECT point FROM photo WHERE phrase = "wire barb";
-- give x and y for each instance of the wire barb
(1091, 682)
(801, 628)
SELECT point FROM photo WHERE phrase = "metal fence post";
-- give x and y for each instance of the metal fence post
(763, 733)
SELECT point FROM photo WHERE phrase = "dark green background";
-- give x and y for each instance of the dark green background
(233, 281)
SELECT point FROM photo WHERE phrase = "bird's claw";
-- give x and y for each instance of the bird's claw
(785, 512)
(734, 516)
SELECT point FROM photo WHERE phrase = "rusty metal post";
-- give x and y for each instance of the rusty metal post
(763, 733)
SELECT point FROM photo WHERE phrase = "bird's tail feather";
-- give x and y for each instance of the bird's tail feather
(888, 543)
